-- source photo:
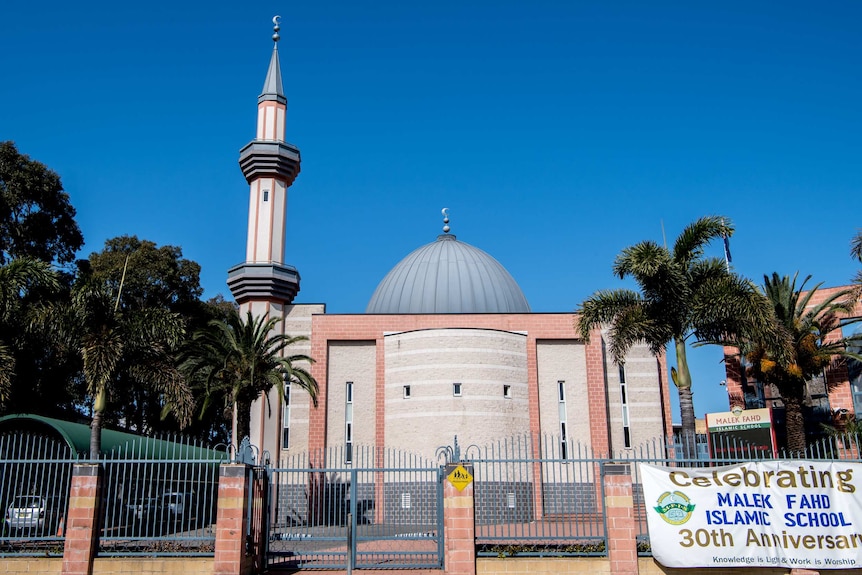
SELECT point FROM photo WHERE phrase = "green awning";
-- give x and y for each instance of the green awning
(77, 437)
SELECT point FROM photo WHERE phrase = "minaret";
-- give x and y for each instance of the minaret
(270, 165)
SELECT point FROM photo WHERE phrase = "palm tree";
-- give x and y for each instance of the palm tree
(683, 296)
(17, 278)
(234, 361)
(847, 428)
(118, 345)
(856, 252)
(809, 325)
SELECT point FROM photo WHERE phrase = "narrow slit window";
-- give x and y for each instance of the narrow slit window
(564, 432)
(624, 407)
(406, 392)
(285, 418)
(348, 422)
(266, 195)
(507, 391)
(285, 428)
(456, 389)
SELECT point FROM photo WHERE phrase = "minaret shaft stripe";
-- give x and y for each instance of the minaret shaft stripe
(271, 121)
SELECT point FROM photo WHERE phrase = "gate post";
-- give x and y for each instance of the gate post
(459, 519)
(619, 513)
(82, 523)
(232, 556)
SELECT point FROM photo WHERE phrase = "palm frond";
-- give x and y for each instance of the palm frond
(101, 352)
(642, 259)
(7, 369)
(603, 307)
(635, 325)
(19, 276)
(691, 242)
(237, 360)
(856, 246)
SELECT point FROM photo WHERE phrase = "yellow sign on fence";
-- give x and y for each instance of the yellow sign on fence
(460, 478)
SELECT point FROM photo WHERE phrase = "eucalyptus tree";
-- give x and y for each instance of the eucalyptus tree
(232, 362)
(811, 322)
(37, 219)
(684, 297)
(117, 343)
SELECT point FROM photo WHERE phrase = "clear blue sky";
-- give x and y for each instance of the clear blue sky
(556, 132)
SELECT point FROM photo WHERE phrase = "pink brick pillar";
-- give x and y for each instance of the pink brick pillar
(619, 510)
(232, 522)
(82, 522)
(460, 525)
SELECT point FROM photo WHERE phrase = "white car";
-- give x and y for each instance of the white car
(33, 513)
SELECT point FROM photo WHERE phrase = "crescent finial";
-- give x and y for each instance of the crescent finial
(445, 212)
(276, 28)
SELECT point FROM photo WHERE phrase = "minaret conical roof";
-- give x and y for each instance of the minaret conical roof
(273, 89)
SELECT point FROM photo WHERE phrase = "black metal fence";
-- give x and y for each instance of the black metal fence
(544, 496)
(383, 509)
(35, 477)
(538, 499)
(158, 496)
(537, 496)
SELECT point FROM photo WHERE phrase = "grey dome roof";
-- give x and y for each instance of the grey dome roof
(448, 276)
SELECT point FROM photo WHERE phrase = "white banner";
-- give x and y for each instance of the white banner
(801, 514)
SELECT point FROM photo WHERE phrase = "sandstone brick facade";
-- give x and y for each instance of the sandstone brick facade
(510, 368)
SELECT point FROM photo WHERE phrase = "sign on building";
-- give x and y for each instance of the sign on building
(790, 514)
(740, 433)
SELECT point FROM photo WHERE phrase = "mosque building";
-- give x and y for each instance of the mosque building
(447, 345)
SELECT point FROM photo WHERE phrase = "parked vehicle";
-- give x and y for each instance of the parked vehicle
(34, 514)
(188, 509)
(177, 504)
(144, 509)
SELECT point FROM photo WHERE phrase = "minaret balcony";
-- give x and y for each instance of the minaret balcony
(263, 281)
(262, 158)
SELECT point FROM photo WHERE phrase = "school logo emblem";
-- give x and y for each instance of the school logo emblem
(675, 508)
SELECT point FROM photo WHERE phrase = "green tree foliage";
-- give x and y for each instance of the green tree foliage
(37, 223)
(154, 277)
(847, 428)
(233, 361)
(856, 252)
(119, 345)
(36, 218)
(811, 323)
(684, 296)
(18, 280)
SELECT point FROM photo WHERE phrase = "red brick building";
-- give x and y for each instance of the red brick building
(447, 346)
(835, 395)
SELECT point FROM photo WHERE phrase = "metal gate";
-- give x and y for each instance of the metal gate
(355, 508)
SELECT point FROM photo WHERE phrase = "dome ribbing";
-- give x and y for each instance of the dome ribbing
(448, 276)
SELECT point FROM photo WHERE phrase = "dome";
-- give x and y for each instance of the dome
(448, 276)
